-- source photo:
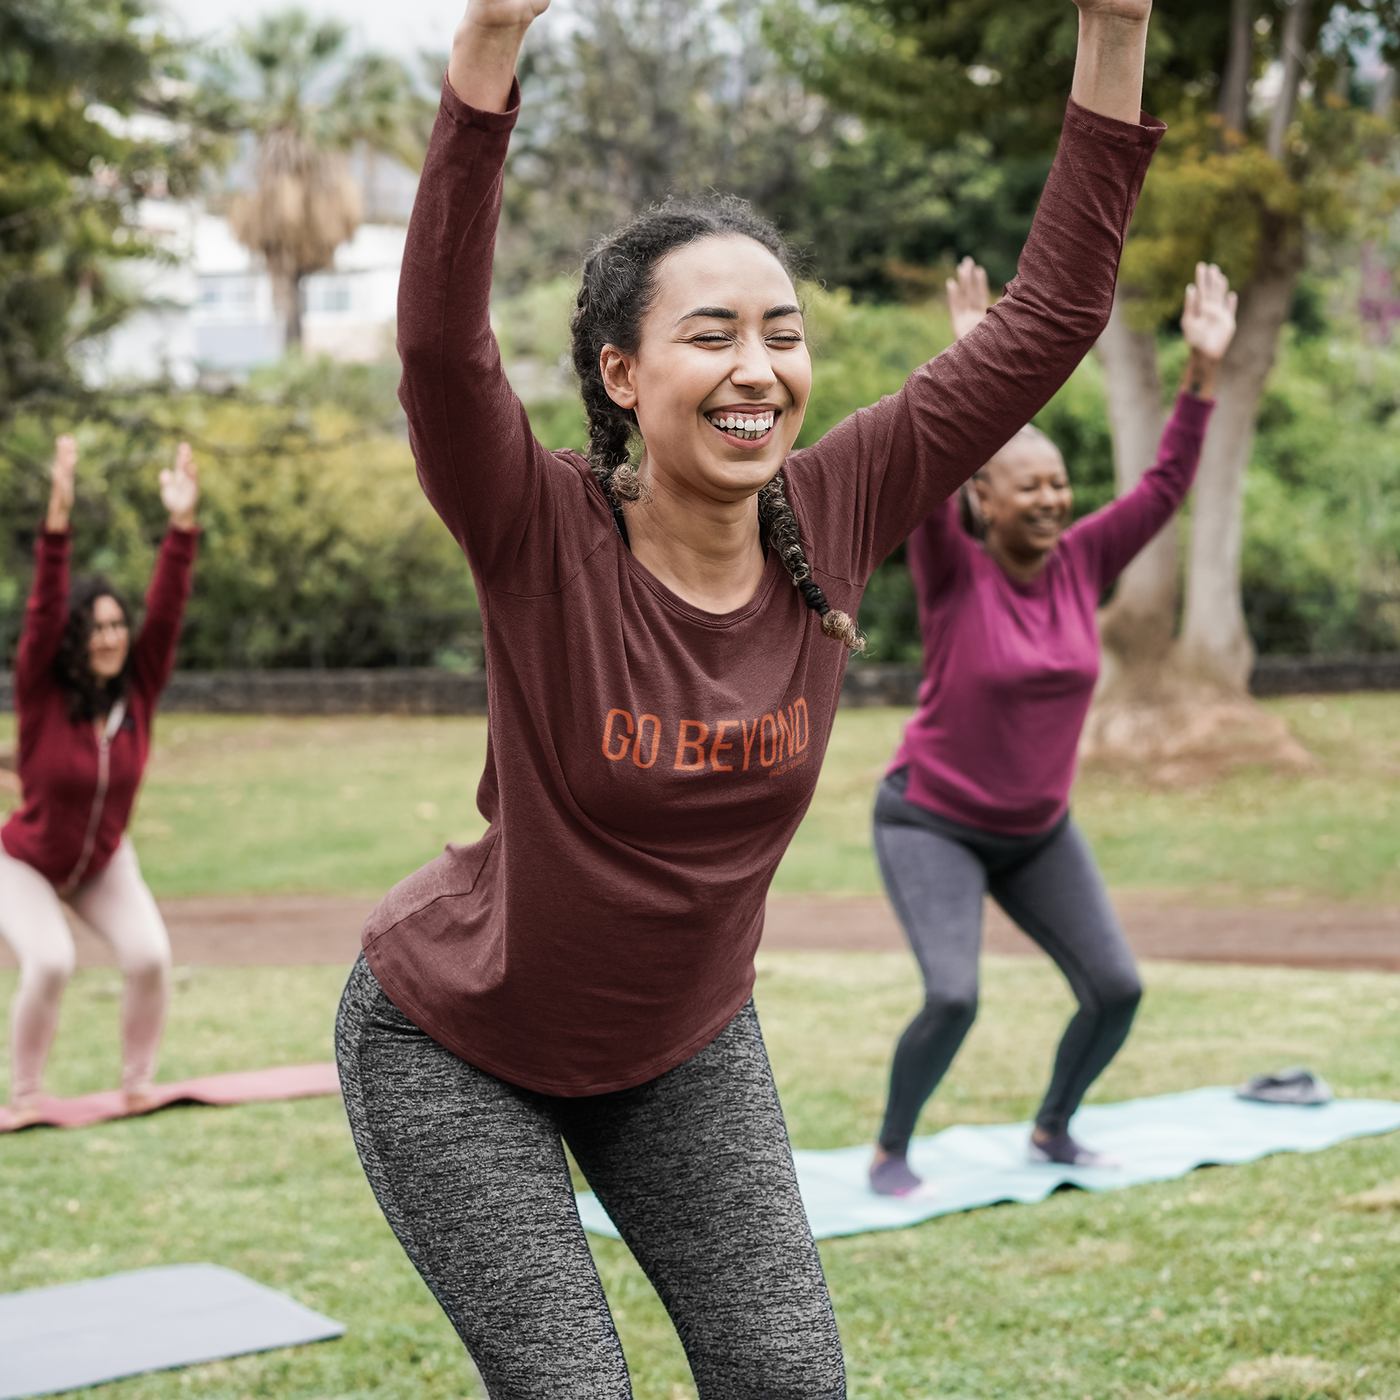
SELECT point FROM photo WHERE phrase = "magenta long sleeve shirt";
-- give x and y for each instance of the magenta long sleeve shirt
(1010, 667)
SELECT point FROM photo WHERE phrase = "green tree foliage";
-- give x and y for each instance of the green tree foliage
(310, 508)
(637, 99)
(1322, 540)
(93, 115)
(938, 69)
(1001, 70)
(1213, 198)
(885, 217)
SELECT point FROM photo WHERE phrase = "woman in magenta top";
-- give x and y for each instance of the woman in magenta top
(664, 651)
(977, 799)
(85, 693)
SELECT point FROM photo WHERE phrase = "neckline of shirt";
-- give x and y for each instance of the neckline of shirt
(719, 621)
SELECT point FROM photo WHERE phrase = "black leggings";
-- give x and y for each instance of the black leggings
(694, 1168)
(937, 872)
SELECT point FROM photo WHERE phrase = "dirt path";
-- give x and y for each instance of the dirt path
(300, 929)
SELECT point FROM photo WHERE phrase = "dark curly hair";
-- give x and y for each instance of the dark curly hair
(88, 697)
(619, 281)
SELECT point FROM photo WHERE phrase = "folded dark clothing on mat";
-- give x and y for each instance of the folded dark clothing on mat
(1297, 1085)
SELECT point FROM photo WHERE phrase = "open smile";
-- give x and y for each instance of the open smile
(749, 427)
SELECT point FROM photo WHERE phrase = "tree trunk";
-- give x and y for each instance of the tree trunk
(1215, 647)
(1181, 714)
(286, 301)
(1137, 626)
(1234, 85)
(1295, 58)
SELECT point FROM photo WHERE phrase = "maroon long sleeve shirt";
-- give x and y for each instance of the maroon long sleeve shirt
(58, 760)
(648, 762)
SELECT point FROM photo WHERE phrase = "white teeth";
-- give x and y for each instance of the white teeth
(744, 425)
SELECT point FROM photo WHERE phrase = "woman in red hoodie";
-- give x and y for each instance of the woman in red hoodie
(85, 693)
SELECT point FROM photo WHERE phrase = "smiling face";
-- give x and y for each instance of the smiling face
(109, 640)
(1024, 496)
(721, 375)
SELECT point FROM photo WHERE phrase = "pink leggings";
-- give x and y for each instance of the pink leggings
(119, 905)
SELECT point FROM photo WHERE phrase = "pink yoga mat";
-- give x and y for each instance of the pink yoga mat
(243, 1086)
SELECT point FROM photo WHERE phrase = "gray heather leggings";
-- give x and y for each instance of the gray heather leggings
(937, 871)
(694, 1168)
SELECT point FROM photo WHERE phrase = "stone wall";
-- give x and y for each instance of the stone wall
(425, 691)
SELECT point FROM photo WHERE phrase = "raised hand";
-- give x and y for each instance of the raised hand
(968, 297)
(485, 48)
(179, 488)
(1208, 319)
(65, 462)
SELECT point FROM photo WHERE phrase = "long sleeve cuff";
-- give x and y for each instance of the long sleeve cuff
(1146, 132)
(461, 113)
(1192, 414)
(184, 544)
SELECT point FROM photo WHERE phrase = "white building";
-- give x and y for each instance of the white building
(207, 306)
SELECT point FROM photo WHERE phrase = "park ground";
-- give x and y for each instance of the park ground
(1276, 1281)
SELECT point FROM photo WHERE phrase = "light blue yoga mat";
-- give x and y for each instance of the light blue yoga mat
(81, 1334)
(1154, 1140)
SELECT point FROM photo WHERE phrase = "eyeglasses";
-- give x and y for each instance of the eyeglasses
(116, 629)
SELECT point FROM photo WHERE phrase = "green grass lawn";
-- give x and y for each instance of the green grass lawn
(236, 804)
(1188, 1288)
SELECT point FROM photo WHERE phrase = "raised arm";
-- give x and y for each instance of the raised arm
(153, 651)
(477, 459)
(890, 465)
(1111, 537)
(47, 609)
(939, 543)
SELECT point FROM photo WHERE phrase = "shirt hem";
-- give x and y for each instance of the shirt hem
(460, 1046)
(931, 804)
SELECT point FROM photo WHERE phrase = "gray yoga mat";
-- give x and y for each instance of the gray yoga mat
(80, 1334)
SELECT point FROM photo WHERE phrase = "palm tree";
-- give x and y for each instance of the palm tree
(312, 105)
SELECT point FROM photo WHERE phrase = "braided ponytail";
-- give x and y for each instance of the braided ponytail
(619, 281)
(779, 526)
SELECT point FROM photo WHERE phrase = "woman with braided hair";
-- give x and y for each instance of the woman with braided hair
(660, 696)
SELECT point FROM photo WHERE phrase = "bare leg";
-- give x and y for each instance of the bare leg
(32, 923)
(119, 905)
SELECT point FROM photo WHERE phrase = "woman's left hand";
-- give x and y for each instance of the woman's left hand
(179, 488)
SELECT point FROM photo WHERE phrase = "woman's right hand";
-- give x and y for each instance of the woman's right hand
(65, 460)
(485, 48)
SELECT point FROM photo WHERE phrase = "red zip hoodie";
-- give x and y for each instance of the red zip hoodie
(77, 801)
